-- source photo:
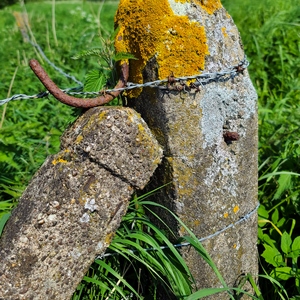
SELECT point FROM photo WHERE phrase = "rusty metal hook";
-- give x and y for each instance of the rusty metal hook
(73, 101)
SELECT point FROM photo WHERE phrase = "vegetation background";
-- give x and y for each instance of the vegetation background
(30, 130)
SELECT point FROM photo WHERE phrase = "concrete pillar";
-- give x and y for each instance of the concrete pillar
(208, 130)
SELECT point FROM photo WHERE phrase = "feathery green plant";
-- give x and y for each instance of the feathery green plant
(105, 75)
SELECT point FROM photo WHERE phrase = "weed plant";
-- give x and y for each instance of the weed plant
(30, 130)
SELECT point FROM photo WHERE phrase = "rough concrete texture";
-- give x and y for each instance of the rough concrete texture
(74, 204)
(214, 181)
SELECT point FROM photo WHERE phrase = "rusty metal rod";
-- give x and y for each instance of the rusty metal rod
(73, 101)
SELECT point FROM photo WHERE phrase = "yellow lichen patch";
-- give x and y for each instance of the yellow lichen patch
(185, 177)
(197, 222)
(226, 215)
(102, 115)
(79, 139)
(82, 199)
(234, 246)
(224, 31)
(149, 28)
(141, 128)
(59, 160)
(236, 209)
(182, 230)
(209, 6)
(109, 238)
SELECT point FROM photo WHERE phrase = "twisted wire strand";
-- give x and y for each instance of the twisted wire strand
(201, 80)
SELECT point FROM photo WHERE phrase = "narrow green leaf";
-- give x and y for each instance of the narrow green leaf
(123, 55)
(277, 283)
(255, 287)
(206, 292)
(5, 205)
(192, 239)
(8, 159)
(4, 218)
(269, 175)
(86, 53)
(115, 33)
(116, 275)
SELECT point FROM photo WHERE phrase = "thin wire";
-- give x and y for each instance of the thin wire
(40, 50)
(243, 219)
(51, 64)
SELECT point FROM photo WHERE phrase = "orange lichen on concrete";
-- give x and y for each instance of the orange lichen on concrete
(197, 222)
(109, 238)
(150, 28)
(59, 160)
(224, 31)
(236, 209)
(79, 139)
(210, 6)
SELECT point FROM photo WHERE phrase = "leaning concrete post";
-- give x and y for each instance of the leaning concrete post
(207, 126)
(74, 204)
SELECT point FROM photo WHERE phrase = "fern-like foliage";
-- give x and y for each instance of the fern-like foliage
(91, 52)
(123, 55)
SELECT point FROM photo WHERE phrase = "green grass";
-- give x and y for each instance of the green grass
(270, 33)
(133, 272)
(30, 130)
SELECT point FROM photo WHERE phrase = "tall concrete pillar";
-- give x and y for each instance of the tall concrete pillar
(208, 129)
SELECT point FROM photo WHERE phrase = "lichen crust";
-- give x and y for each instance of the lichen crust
(151, 29)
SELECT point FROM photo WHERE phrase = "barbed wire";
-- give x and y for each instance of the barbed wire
(180, 245)
(169, 84)
(40, 95)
